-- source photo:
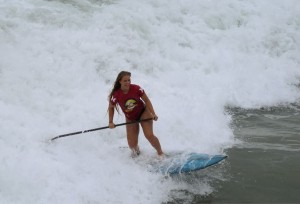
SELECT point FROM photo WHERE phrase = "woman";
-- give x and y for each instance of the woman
(136, 106)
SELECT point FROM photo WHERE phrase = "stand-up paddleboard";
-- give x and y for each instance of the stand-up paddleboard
(186, 163)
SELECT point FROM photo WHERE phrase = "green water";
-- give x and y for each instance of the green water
(264, 165)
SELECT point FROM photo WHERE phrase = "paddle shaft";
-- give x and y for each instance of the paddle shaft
(100, 128)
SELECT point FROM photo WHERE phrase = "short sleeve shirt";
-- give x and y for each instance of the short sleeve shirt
(131, 102)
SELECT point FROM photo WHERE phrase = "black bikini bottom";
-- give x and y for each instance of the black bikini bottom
(143, 110)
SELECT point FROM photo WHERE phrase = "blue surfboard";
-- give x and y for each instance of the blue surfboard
(186, 163)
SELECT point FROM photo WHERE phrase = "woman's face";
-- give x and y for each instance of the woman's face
(125, 82)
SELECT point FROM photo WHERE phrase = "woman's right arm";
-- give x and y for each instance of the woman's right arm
(111, 111)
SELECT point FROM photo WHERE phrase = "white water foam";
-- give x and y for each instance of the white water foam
(58, 60)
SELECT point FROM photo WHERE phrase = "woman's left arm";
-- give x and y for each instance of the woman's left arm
(149, 106)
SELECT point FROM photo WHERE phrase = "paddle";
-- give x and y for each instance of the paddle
(95, 129)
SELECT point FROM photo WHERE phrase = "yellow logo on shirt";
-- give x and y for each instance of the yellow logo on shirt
(129, 105)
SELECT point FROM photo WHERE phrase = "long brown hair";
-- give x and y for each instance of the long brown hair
(117, 84)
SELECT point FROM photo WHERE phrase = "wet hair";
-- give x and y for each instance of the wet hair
(117, 84)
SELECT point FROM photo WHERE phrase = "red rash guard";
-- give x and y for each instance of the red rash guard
(131, 102)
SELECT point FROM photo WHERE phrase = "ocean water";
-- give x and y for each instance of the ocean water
(223, 77)
(262, 167)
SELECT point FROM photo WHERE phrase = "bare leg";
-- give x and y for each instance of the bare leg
(132, 136)
(148, 132)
